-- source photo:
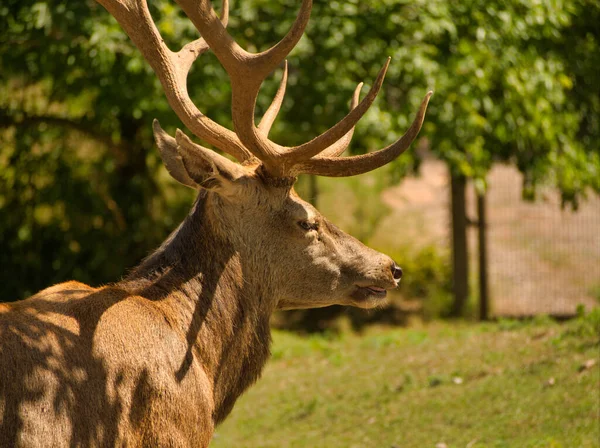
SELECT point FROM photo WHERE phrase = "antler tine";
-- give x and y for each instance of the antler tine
(234, 58)
(192, 50)
(269, 117)
(351, 166)
(172, 69)
(246, 72)
(338, 148)
(269, 59)
(329, 137)
(279, 160)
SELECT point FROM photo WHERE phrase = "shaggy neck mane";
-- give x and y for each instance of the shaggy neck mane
(205, 289)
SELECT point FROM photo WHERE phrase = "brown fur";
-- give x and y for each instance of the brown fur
(159, 358)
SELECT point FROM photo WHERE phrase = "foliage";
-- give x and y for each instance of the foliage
(79, 190)
(506, 85)
(586, 326)
(510, 93)
(369, 209)
(428, 278)
(83, 194)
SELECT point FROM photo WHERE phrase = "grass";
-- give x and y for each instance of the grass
(505, 384)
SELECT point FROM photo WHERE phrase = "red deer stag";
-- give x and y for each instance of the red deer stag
(159, 358)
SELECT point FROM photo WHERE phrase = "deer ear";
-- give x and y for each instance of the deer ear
(192, 164)
(207, 168)
(167, 146)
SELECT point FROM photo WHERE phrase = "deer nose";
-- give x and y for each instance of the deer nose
(396, 271)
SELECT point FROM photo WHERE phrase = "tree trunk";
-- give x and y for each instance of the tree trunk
(483, 266)
(460, 255)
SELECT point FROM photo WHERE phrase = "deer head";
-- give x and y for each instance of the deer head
(253, 203)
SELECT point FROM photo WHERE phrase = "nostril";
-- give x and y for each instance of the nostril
(396, 271)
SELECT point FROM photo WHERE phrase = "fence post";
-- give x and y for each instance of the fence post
(483, 264)
(460, 256)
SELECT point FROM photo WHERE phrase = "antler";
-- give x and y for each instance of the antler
(247, 71)
(350, 166)
(172, 69)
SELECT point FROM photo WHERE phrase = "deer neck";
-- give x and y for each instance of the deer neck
(214, 294)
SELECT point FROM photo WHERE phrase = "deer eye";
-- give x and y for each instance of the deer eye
(307, 225)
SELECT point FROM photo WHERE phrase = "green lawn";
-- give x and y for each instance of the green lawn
(506, 384)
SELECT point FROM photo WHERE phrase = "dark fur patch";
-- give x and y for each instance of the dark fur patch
(280, 182)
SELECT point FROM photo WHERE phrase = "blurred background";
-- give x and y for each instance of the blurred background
(493, 214)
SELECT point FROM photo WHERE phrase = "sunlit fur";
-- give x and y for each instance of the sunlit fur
(159, 358)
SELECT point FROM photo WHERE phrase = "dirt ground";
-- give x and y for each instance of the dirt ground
(543, 260)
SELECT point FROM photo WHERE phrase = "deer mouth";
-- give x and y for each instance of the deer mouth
(364, 292)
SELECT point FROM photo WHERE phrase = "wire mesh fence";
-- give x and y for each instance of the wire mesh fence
(542, 259)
